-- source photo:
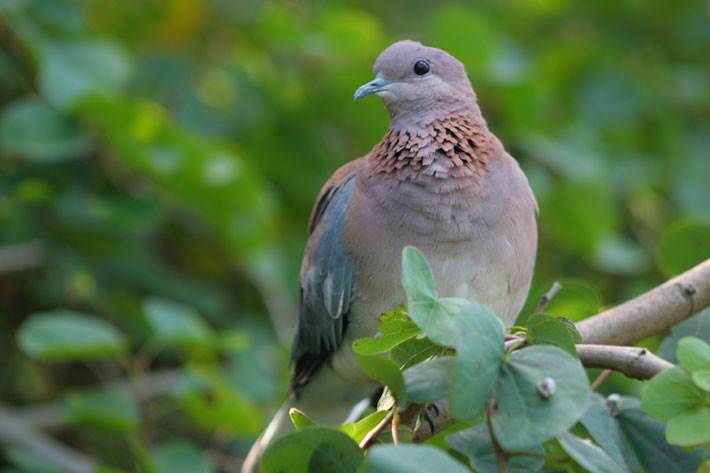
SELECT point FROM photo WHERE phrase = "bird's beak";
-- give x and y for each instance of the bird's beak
(377, 85)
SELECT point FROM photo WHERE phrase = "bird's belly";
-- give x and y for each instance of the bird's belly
(488, 270)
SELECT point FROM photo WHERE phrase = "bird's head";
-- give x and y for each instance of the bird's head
(417, 82)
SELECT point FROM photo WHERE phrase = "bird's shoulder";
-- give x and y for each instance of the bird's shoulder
(341, 176)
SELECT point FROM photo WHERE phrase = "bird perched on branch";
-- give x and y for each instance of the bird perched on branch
(438, 180)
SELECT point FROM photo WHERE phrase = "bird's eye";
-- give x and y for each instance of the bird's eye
(421, 67)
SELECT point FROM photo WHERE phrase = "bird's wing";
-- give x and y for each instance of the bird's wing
(327, 275)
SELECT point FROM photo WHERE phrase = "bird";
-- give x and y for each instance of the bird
(439, 180)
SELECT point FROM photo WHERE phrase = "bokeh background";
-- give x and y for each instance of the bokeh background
(158, 161)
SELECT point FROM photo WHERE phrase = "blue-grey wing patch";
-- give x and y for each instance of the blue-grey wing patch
(327, 277)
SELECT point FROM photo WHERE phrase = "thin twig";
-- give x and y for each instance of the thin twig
(603, 376)
(500, 453)
(547, 297)
(375, 432)
(514, 342)
(395, 426)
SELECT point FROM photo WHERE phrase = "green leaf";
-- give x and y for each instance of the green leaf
(475, 443)
(383, 343)
(603, 427)
(693, 354)
(689, 428)
(409, 459)
(394, 329)
(176, 324)
(438, 318)
(108, 409)
(299, 419)
(526, 414)
(312, 450)
(429, 381)
(64, 335)
(479, 352)
(417, 276)
(32, 130)
(71, 71)
(179, 456)
(588, 455)
(644, 440)
(385, 372)
(413, 351)
(683, 245)
(670, 393)
(358, 430)
(395, 320)
(701, 379)
(549, 330)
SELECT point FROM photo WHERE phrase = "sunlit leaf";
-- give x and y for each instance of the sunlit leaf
(693, 354)
(394, 329)
(671, 393)
(64, 335)
(358, 430)
(689, 428)
(299, 419)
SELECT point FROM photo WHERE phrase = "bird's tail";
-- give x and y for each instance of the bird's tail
(279, 426)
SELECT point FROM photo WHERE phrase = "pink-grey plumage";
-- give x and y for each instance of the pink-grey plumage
(439, 180)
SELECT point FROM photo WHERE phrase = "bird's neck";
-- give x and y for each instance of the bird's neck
(455, 145)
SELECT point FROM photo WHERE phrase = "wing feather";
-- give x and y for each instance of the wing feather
(327, 277)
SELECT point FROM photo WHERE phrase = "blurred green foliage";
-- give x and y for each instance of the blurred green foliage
(158, 161)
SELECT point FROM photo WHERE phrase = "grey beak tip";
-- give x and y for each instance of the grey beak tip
(371, 88)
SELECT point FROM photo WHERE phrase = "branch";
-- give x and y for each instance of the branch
(14, 431)
(375, 432)
(634, 362)
(646, 315)
(547, 297)
(652, 312)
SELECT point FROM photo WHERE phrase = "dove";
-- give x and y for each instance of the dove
(439, 180)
